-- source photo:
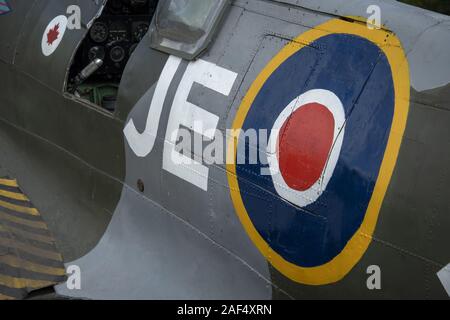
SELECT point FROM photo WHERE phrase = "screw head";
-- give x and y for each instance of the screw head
(140, 185)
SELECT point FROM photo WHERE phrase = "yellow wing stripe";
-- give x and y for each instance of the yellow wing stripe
(21, 283)
(30, 249)
(27, 235)
(5, 297)
(9, 182)
(25, 222)
(16, 262)
(21, 209)
(13, 195)
(23, 238)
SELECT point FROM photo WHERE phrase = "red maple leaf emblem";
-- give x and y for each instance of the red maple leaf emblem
(53, 34)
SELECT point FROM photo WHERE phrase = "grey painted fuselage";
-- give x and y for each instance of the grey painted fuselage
(175, 240)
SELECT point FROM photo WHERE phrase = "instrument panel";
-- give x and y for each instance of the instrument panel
(114, 36)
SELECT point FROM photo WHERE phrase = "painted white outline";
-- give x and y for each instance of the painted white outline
(47, 49)
(332, 103)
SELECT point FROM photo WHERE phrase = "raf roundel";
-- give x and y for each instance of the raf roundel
(335, 103)
(304, 145)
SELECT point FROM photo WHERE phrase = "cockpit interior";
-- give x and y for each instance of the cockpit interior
(100, 61)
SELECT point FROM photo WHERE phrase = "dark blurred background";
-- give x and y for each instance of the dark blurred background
(442, 6)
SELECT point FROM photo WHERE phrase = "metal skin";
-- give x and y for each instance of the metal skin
(175, 240)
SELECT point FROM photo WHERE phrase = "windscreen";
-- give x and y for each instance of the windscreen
(186, 26)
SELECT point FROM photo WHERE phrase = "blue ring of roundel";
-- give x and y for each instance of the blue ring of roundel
(358, 72)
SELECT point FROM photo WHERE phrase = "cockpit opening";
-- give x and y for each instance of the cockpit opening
(100, 61)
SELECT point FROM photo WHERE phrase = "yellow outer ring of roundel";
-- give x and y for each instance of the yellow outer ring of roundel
(342, 264)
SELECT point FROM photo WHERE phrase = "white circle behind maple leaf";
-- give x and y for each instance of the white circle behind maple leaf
(53, 35)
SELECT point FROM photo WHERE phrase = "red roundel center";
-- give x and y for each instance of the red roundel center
(305, 141)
